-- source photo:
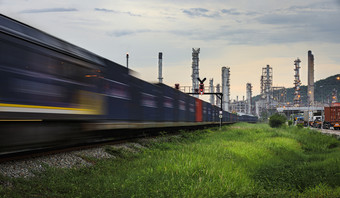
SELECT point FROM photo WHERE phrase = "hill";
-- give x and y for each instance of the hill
(322, 90)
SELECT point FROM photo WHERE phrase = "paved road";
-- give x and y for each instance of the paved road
(332, 132)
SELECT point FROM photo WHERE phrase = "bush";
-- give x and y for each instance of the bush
(290, 122)
(276, 120)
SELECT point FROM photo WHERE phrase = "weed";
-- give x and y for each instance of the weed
(290, 122)
(277, 120)
(242, 160)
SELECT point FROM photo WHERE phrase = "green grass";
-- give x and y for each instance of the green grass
(242, 160)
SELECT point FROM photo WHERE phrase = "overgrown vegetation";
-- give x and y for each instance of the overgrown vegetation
(277, 120)
(290, 122)
(242, 160)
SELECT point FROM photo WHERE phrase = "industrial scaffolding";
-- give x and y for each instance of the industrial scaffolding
(266, 83)
(279, 96)
(297, 83)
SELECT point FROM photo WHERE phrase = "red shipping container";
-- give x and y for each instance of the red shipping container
(199, 115)
(332, 115)
(337, 104)
(327, 114)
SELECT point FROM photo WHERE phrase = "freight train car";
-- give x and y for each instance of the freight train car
(51, 85)
(332, 116)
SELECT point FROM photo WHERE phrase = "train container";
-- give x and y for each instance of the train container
(119, 90)
(183, 106)
(189, 111)
(199, 110)
(167, 107)
(192, 109)
(147, 101)
(332, 116)
(233, 117)
(204, 111)
(225, 116)
(42, 80)
(209, 112)
(215, 111)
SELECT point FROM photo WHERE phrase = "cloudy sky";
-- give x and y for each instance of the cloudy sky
(244, 35)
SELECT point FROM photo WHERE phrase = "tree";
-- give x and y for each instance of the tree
(277, 120)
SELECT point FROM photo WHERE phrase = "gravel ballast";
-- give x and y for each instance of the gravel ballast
(74, 159)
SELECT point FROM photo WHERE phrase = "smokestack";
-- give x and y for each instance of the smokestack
(310, 92)
(249, 93)
(195, 72)
(211, 89)
(225, 87)
(218, 101)
(160, 59)
(127, 60)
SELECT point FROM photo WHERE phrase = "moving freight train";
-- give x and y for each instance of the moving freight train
(46, 79)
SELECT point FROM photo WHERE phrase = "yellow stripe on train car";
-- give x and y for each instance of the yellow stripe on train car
(5, 107)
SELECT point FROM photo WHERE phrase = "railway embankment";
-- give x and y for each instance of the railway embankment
(242, 160)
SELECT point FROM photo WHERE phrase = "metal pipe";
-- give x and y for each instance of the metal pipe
(127, 60)
(160, 59)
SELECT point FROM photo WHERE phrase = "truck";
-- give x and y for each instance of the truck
(312, 119)
(317, 122)
(332, 117)
(298, 120)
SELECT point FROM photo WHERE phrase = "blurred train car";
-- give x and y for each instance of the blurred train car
(247, 118)
(71, 90)
(44, 76)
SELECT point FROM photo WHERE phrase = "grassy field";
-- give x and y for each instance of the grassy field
(242, 160)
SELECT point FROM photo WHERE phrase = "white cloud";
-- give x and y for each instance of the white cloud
(116, 12)
(244, 34)
(49, 10)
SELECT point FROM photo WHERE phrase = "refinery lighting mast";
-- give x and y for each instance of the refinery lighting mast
(297, 83)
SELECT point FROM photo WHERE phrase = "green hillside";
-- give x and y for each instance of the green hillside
(323, 90)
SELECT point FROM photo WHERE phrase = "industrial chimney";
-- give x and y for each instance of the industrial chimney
(211, 90)
(249, 93)
(160, 59)
(218, 101)
(225, 87)
(195, 72)
(310, 92)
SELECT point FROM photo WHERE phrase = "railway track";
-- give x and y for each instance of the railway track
(27, 164)
(52, 142)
